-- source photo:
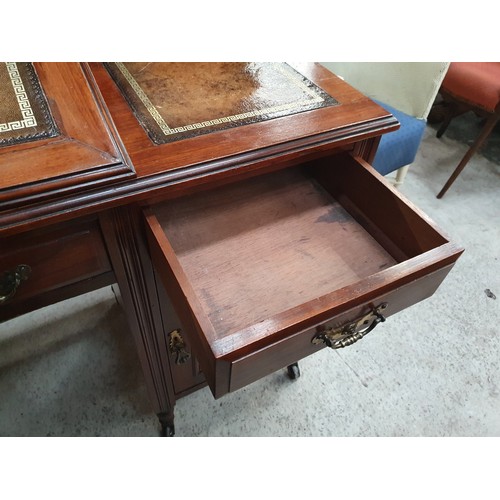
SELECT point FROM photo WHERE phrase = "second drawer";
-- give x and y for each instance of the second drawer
(65, 259)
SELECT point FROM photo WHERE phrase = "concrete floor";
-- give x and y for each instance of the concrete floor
(431, 370)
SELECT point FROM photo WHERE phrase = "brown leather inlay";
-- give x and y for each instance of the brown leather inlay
(174, 101)
(24, 112)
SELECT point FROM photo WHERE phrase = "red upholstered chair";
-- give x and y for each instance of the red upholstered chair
(474, 87)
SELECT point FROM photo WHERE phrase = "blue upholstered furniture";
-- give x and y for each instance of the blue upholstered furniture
(398, 149)
(407, 90)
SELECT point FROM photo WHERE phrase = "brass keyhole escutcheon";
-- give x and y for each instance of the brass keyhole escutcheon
(177, 347)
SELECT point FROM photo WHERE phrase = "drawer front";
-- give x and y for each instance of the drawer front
(63, 260)
(261, 362)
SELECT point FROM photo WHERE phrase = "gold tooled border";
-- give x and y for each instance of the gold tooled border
(293, 77)
(27, 112)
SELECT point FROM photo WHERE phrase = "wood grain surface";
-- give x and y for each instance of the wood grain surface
(264, 246)
(254, 263)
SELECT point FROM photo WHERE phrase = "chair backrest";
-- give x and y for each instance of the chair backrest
(408, 86)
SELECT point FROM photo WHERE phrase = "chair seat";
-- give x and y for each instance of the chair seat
(475, 83)
(399, 148)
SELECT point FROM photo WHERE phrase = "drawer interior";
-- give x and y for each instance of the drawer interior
(254, 249)
(252, 265)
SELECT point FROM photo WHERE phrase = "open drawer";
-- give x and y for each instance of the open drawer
(265, 271)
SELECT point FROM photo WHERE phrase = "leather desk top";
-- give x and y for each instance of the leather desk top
(24, 112)
(104, 158)
(175, 101)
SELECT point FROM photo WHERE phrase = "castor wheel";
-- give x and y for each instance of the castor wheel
(293, 371)
(167, 431)
(167, 424)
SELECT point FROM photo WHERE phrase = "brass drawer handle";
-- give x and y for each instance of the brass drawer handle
(10, 281)
(350, 333)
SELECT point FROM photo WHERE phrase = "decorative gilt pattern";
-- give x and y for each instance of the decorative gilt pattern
(314, 98)
(28, 117)
(144, 99)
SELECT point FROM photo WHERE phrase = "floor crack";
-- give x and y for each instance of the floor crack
(365, 384)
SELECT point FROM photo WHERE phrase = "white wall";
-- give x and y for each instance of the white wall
(410, 87)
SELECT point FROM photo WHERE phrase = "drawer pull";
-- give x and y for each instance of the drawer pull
(350, 333)
(177, 346)
(10, 281)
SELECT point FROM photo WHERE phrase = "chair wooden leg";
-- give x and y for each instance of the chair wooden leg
(447, 119)
(487, 129)
(452, 110)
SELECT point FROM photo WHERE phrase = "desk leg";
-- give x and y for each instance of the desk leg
(126, 242)
(167, 423)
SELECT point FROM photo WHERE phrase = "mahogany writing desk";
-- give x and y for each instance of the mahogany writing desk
(233, 204)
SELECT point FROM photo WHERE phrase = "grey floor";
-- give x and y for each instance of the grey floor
(431, 370)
